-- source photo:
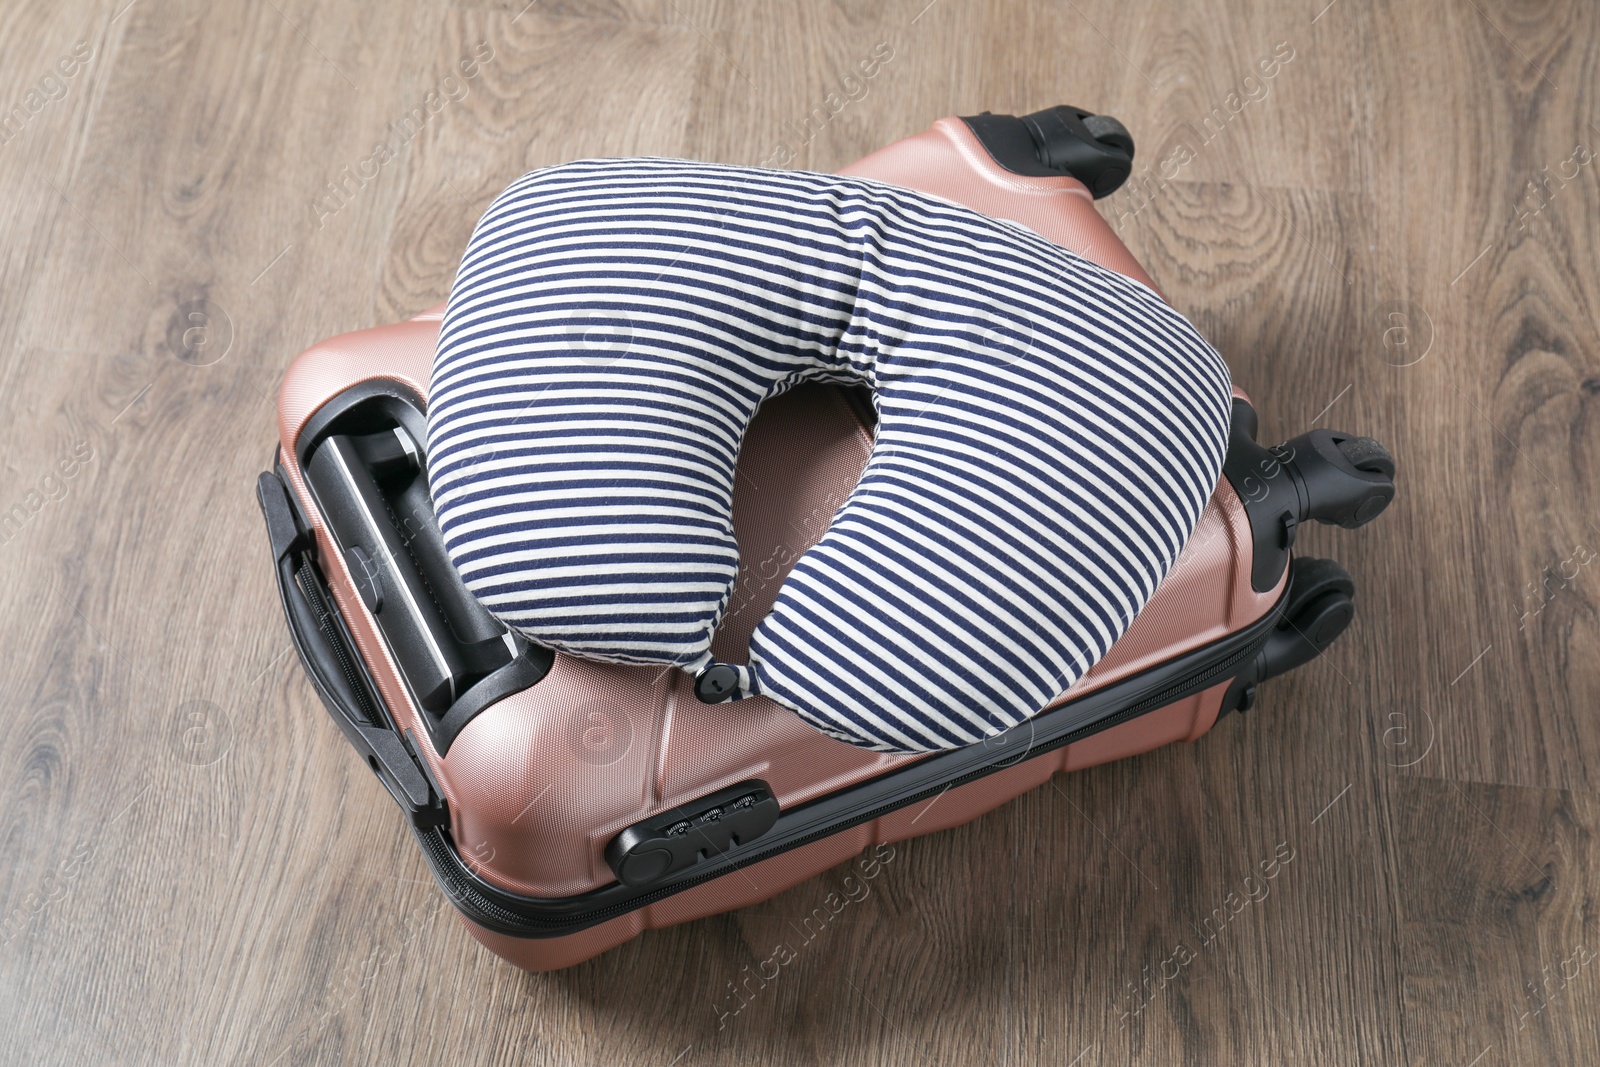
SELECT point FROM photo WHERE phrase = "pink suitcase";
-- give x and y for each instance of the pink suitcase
(566, 805)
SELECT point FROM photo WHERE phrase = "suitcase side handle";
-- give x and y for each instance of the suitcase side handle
(325, 649)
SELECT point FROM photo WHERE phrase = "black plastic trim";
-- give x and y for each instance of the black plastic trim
(1266, 490)
(1009, 143)
(1056, 141)
(410, 412)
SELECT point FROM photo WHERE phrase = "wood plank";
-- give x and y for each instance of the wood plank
(1394, 234)
(1497, 922)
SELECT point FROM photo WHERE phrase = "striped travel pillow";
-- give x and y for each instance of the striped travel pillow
(1049, 432)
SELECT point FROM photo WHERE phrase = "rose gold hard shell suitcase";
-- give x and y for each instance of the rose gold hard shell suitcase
(567, 805)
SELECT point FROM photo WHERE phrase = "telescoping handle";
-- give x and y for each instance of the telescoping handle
(347, 474)
(367, 475)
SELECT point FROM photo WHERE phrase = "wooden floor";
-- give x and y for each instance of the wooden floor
(1395, 233)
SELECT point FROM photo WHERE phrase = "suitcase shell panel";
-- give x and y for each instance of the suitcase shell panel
(1184, 720)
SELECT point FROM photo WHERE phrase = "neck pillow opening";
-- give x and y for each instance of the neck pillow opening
(1048, 434)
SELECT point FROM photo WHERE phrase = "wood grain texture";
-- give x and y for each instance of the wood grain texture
(1395, 233)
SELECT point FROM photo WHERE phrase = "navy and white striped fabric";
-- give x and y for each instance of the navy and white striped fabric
(1049, 433)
